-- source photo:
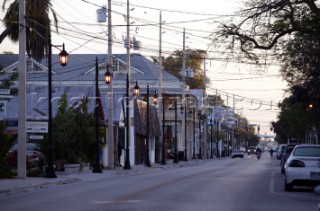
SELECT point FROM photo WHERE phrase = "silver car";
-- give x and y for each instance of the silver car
(302, 167)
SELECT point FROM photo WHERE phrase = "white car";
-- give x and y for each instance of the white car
(237, 153)
(302, 167)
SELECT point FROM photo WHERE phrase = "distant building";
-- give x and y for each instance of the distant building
(77, 79)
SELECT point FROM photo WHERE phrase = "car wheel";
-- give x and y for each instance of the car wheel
(287, 186)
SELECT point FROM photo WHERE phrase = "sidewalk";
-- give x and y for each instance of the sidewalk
(16, 185)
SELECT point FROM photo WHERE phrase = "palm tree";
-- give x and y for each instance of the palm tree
(38, 25)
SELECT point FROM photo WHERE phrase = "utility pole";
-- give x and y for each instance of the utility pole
(127, 158)
(111, 150)
(184, 138)
(22, 137)
(161, 96)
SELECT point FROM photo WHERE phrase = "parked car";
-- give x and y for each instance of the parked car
(287, 151)
(302, 167)
(280, 151)
(251, 150)
(237, 153)
(33, 155)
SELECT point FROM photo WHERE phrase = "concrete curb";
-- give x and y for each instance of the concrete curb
(14, 186)
(30, 187)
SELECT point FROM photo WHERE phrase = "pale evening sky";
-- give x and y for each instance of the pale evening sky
(256, 93)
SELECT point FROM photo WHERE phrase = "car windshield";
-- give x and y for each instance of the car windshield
(307, 151)
(29, 147)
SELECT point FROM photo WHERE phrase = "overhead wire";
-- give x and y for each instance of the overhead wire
(122, 43)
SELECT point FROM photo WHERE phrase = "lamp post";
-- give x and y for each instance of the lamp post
(136, 90)
(194, 133)
(96, 165)
(211, 150)
(199, 135)
(155, 101)
(185, 135)
(147, 141)
(63, 56)
(127, 159)
(176, 159)
(163, 159)
(217, 141)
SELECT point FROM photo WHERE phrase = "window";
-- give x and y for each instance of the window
(307, 151)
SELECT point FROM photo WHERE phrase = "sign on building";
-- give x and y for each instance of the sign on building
(37, 127)
(2, 106)
(4, 91)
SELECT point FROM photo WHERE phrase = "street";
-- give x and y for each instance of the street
(221, 184)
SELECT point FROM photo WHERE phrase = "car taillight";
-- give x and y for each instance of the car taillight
(296, 163)
(35, 154)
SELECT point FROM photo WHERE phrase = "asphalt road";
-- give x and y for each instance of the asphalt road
(246, 184)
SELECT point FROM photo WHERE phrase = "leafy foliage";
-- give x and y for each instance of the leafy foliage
(215, 100)
(173, 65)
(291, 30)
(300, 69)
(7, 83)
(38, 22)
(265, 25)
(5, 144)
(73, 132)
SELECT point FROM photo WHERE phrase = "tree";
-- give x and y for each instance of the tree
(173, 65)
(291, 29)
(300, 68)
(73, 135)
(296, 117)
(215, 100)
(5, 144)
(7, 83)
(38, 25)
(264, 24)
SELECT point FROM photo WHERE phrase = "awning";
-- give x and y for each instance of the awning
(140, 119)
(10, 130)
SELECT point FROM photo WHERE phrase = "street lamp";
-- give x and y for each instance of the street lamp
(155, 101)
(184, 111)
(194, 133)
(63, 61)
(163, 159)
(176, 159)
(147, 144)
(185, 135)
(107, 76)
(155, 98)
(136, 91)
(96, 165)
(199, 114)
(211, 151)
(217, 141)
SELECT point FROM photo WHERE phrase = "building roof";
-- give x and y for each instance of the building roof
(81, 67)
(77, 79)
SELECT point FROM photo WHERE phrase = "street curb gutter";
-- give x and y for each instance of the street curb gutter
(37, 186)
